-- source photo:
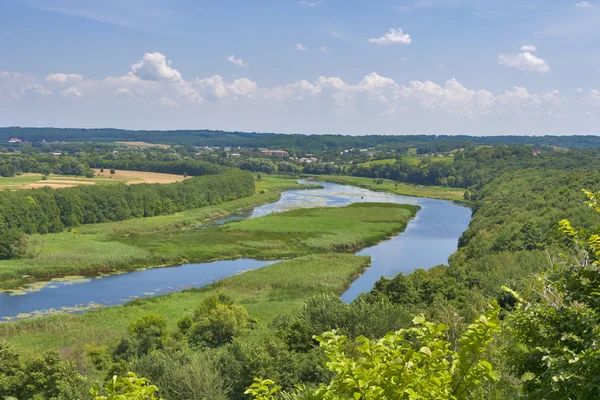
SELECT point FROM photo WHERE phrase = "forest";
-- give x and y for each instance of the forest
(513, 314)
(309, 143)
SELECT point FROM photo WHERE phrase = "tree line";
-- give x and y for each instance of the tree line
(47, 210)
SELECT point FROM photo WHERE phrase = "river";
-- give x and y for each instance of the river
(428, 240)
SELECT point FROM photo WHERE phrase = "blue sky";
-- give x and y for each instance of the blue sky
(331, 66)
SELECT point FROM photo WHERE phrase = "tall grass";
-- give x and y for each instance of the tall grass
(265, 292)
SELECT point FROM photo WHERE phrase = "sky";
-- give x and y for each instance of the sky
(479, 67)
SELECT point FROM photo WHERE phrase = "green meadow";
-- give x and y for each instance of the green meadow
(110, 248)
(434, 192)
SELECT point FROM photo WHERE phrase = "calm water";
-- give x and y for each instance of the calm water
(427, 241)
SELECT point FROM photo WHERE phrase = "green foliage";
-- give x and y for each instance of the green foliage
(47, 210)
(215, 322)
(129, 388)
(327, 312)
(183, 375)
(13, 243)
(41, 377)
(556, 332)
(414, 363)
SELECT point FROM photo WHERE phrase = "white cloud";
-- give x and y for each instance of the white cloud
(579, 90)
(583, 4)
(528, 47)
(300, 47)
(336, 35)
(425, 105)
(324, 49)
(394, 36)
(167, 102)
(64, 79)
(123, 92)
(306, 3)
(524, 61)
(154, 67)
(237, 61)
(71, 91)
(36, 89)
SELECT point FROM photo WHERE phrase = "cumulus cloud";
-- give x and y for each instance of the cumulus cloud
(167, 102)
(64, 79)
(373, 96)
(306, 3)
(525, 61)
(529, 48)
(36, 89)
(300, 47)
(123, 92)
(394, 36)
(583, 4)
(237, 61)
(154, 67)
(71, 91)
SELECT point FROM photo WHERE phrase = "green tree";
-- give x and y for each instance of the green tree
(415, 363)
(556, 333)
(216, 321)
(112, 171)
(129, 388)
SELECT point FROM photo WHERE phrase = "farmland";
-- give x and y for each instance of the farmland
(32, 181)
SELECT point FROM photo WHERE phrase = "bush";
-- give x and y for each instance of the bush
(215, 322)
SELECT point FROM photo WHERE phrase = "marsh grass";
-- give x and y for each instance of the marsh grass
(265, 293)
(276, 236)
(434, 192)
(103, 248)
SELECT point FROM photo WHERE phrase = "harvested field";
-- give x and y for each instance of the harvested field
(33, 181)
(133, 177)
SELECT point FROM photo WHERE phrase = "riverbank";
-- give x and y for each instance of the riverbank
(265, 293)
(404, 189)
(95, 248)
(276, 236)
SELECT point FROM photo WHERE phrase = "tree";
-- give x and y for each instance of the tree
(258, 178)
(556, 333)
(185, 175)
(112, 171)
(215, 322)
(415, 363)
(101, 169)
(13, 244)
(129, 388)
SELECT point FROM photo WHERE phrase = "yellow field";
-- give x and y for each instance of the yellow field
(32, 181)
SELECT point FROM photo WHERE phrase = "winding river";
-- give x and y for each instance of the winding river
(427, 241)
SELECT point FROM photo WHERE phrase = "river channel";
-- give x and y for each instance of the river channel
(428, 240)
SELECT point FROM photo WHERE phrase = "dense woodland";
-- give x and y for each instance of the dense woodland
(308, 143)
(533, 274)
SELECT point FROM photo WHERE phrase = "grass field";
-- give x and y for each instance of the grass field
(428, 159)
(412, 159)
(113, 247)
(32, 181)
(144, 144)
(434, 192)
(265, 293)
